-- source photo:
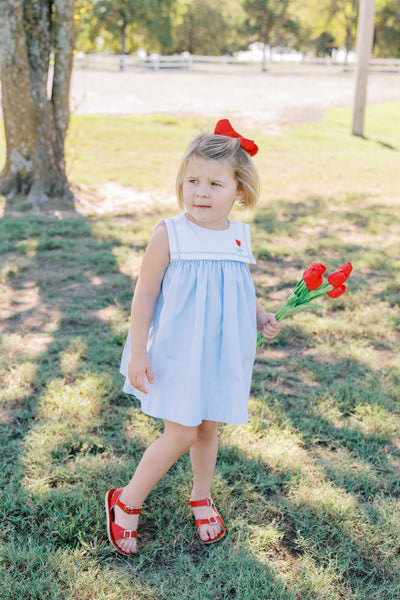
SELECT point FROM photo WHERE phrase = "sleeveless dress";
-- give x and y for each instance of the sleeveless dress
(202, 340)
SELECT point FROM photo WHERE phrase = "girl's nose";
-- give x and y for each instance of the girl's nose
(202, 191)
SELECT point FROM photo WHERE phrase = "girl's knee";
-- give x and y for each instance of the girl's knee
(207, 430)
(186, 436)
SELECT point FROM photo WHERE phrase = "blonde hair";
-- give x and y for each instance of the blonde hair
(227, 150)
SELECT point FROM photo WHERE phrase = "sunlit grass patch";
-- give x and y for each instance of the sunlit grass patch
(77, 402)
(349, 471)
(331, 518)
(310, 579)
(73, 356)
(130, 141)
(141, 428)
(67, 413)
(17, 381)
(264, 539)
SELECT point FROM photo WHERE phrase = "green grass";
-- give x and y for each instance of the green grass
(309, 488)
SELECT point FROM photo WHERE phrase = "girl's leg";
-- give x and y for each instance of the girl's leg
(155, 462)
(203, 456)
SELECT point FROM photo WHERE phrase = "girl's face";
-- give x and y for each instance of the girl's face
(209, 191)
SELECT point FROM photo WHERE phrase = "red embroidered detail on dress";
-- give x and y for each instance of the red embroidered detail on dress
(238, 245)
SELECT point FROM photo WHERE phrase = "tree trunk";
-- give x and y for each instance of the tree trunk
(123, 44)
(264, 57)
(35, 125)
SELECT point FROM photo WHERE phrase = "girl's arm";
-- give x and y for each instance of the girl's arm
(155, 261)
(267, 323)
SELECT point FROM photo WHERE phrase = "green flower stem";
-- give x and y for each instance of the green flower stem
(298, 300)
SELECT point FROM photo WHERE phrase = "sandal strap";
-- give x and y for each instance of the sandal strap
(210, 521)
(205, 502)
(214, 520)
(129, 510)
(119, 533)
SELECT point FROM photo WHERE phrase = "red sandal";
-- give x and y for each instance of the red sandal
(210, 521)
(115, 532)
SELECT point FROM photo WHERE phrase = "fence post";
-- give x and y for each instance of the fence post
(365, 35)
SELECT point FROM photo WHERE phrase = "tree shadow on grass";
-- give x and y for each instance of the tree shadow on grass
(68, 433)
(332, 543)
(341, 489)
(63, 301)
(381, 143)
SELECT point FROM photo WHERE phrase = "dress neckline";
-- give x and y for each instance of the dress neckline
(207, 228)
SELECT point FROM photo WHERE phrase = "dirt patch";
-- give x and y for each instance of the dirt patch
(108, 199)
(266, 101)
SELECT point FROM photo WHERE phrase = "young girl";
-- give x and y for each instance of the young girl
(190, 352)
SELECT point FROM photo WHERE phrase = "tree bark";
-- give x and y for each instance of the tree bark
(35, 124)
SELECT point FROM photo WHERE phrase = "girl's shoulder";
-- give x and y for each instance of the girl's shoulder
(159, 240)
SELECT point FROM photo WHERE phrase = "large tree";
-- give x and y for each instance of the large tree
(36, 51)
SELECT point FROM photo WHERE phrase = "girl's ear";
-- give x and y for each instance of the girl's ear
(240, 194)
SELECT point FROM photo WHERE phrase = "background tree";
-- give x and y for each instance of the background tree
(208, 28)
(116, 16)
(326, 24)
(266, 22)
(342, 19)
(387, 28)
(125, 25)
(32, 33)
(324, 44)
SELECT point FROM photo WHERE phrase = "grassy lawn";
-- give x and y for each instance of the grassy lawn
(310, 487)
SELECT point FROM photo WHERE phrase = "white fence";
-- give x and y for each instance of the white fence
(188, 62)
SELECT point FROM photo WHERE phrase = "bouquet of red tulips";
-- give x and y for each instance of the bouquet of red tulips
(311, 287)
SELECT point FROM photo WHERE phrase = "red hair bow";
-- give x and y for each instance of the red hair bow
(223, 127)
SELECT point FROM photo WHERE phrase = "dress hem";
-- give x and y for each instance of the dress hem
(149, 414)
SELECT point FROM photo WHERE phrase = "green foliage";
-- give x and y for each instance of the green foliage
(387, 28)
(324, 44)
(205, 27)
(122, 27)
(326, 24)
(266, 17)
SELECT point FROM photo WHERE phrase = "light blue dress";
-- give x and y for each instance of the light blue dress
(202, 340)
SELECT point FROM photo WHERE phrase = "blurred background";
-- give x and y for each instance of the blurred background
(246, 29)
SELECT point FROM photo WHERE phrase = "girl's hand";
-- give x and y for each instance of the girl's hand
(139, 366)
(268, 325)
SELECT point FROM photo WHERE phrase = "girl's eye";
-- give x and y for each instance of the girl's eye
(215, 183)
(192, 180)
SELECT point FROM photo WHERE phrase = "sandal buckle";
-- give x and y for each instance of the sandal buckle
(128, 509)
(212, 520)
(127, 533)
(209, 501)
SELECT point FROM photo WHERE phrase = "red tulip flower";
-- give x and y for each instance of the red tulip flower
(340, 275)
(337, 291)
(312, 276)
